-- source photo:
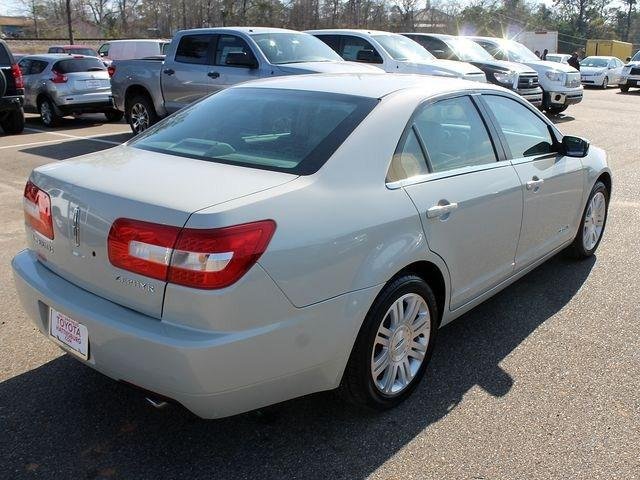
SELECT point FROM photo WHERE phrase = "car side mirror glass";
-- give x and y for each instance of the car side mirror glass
(574, 146)
(240, 59)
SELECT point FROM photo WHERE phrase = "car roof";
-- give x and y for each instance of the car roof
(49, 57)
(246, 30)
(600, 56)
(372, 85)
(346, 31)
(129, 40)
(70, 46)
(434, 35)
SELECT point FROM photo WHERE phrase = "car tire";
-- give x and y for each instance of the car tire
(13, 122)
(140, 113)
(3, 84)
(114, 115)
(556, 110)
(409, 344)
(48, 113)
(624, 88)
(592, 223)
(605, 83)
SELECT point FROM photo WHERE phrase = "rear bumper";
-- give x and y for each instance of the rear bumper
(84, 103)
(212, 373)
(631, 81)
(11, 103)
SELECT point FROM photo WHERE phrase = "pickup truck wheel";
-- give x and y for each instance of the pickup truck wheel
(624, 88)
(13, 122)
(140, 114)
(114, 116)
(48, 113)
(556, 110)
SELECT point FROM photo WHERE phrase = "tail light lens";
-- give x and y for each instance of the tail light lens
(37, 210)
(111, 70)
(198, 258)
(58, 77)
(17, 76)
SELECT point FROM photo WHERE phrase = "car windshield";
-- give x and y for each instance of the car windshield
(518, 52)
(403, 49)
(82, 51)
(280, 48)
(75, 65)
(291, 131)
(594, 62)
(468, 50)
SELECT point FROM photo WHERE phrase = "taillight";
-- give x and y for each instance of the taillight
(198, 258)
(37, 210)
(111, 70)
(58, 77)
(17, 76)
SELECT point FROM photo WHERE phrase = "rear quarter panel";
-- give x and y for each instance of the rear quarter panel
(137, 73)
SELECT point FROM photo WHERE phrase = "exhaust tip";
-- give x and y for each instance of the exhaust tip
(159, 404)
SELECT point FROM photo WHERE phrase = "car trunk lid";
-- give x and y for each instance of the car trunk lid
(89, 193)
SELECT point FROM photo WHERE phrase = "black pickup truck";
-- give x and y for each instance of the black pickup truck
(11, 92)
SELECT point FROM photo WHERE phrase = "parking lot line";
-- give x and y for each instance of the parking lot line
(78, 137)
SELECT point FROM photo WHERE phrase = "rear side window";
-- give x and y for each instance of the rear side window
(230, 44)
(104, 50)
(5, 57)
(75, 65)
(409, 161)
(526, 134)
(37, 66)
(272, 129)
(194, 49)
(454, 135)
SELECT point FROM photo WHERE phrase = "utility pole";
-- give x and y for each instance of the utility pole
(69, 25)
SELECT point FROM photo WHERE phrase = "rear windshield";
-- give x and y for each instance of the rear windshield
(289, 131)
(74, 65)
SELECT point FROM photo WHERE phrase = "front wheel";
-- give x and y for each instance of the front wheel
(605, 83)
(556, 110)
(624, 88)
(140, 113)
(394, 345)
(594, 219)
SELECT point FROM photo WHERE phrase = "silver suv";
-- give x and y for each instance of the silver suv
(57, 85)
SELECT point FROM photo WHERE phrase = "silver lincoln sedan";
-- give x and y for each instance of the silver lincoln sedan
(299, 234)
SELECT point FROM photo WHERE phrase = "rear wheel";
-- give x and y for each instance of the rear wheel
(140, 113)
(48, 113)
(113, 115)
(394, 345)
(13, 122)
(594, 220)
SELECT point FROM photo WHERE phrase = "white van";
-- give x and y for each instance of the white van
(129, 49)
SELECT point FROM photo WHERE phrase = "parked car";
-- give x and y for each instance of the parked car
(560, 83)
(631, 74)
(514, 76)
(11, 92)
(601, 71)
(558, 57)
(57, 85)
(393, 53)
(204, 61)
(301, 234)
(74, 50)
(128, 49)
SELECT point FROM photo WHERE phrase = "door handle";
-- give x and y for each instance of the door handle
(441, 210)
(535, 183)
(213, 74)
(169, 71)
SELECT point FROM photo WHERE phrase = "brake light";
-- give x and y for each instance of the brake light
(37, 210)
(58, 77)
(198, 258)
(17, 76)
(111, 70)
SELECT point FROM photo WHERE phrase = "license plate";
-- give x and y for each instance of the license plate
(69, 333)
(89, 84)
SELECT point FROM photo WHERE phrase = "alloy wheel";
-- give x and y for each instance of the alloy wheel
(45, 113)
(400, 344)
(594, 219)
(139, 118)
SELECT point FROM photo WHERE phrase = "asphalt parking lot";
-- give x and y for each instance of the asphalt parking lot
(542, 381)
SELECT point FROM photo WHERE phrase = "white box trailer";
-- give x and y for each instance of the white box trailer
(539, 40)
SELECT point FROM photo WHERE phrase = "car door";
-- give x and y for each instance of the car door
(616, 70)
(552, 184)
(187, 76)
(468, 198)
(224, 75)
(31, 70)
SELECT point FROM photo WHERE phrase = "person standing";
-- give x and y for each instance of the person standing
(544, 54)
(574, 61)
(537, 53)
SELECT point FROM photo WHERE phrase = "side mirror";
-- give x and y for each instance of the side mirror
(367, 56)
(240, 59)
(102, 54)
(574, 146)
